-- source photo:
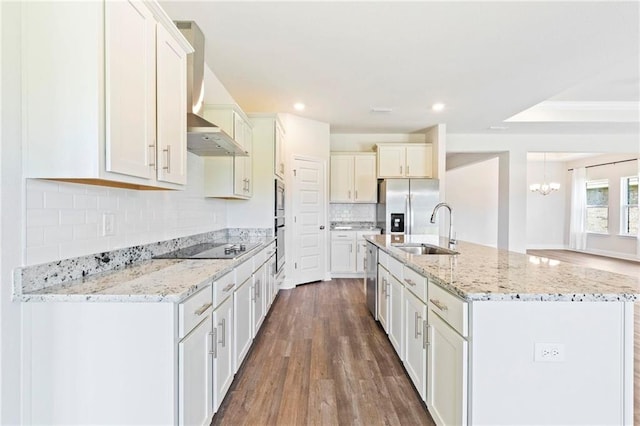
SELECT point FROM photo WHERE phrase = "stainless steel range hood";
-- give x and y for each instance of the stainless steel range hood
(203, 138)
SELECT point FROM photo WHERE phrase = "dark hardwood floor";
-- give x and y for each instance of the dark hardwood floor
(621, 266)
(321, 358)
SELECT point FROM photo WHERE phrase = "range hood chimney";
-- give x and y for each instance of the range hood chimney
(203, 137)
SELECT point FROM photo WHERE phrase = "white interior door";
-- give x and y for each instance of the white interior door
(309, 221)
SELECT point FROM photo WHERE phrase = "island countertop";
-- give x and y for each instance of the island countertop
(153, 280)
(486, 273)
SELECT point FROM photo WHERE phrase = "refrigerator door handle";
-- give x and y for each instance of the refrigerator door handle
(410, 214)
(407, 215)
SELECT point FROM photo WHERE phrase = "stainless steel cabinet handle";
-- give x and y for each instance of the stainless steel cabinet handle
(349, 194)
(417, 325)
(258, 289)
(152, 147)
(356, 194)
(168, 151)
(439, 304)
(252, 289)
(224, 332)
(401, 170)
(425, 336)
(410, 282)
(388, 286)
(408, 172)
(202, 309)
(229, 287)
(214, 345)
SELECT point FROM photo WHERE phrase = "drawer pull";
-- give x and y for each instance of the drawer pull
(410, 282)
(229, 287)
(214, 345)
(439, 304)
(416, 325)
(202, 309)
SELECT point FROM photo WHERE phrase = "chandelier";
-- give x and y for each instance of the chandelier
(544, 188)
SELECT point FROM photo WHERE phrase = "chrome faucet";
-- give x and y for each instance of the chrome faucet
(452, 241)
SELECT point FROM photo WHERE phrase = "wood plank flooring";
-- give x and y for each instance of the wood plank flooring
(626, 267)
(321, 359)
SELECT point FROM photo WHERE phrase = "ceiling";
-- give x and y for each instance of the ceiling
(487, 61)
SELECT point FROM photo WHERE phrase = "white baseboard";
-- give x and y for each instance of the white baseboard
(347, 275)
(547, 247)
(612, 254)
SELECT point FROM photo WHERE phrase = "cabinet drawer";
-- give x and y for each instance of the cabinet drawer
(243, 272)
(453, 310)
(263, 256)
(383, 259)
(193, 310)
(415, 283)
(222, 288)
(343, 235)
(395, 268)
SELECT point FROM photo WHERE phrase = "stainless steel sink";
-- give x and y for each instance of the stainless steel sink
(414, 248)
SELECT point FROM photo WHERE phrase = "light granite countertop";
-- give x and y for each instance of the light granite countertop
(485, 273)
(353, 226)
(153, 280)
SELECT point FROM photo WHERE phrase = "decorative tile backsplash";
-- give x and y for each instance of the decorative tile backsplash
(36, 277)
(352, 212)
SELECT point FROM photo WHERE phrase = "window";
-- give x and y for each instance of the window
(629, 205)
(598, 206)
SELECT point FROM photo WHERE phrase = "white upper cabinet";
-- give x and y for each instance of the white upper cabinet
(106, 107)
(278, 164)
(405, 160)
(353, 178)
(230, 177)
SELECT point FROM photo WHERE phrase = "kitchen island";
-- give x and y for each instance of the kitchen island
(494, 337)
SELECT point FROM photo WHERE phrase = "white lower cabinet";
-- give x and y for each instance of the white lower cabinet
(195, 387)
(396, 316)
(242, 321)
(383, 298)
(415, 343)
(259, 299)
(446, 373)
(222, 341)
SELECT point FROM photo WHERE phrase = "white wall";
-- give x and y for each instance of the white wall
(367, 141)
(512, 223)
(472, 193)
(11, 219)
(546, 214)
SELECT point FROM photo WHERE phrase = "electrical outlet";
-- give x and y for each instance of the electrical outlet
(549, 352)
(108, 224)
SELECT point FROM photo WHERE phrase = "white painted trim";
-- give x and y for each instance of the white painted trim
(164, 20)
(612, 254)
(346, 275)
(547, 247)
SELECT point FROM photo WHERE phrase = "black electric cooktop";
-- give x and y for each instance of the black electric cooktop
(210, 251)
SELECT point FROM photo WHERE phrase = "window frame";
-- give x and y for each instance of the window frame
(587, 205)
(625, 205)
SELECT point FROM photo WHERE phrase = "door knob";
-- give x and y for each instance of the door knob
(321, 226)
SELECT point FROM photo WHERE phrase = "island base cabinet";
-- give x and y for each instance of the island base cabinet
(99, 363)
(223, 353)
(195, 384)
(396, 316)
(588, 381)
(446, 375)
(415, 353)
(383, 298)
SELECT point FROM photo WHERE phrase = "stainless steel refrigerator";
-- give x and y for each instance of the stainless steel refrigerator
(405, 206)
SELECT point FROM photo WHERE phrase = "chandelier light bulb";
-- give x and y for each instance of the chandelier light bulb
(544, 188)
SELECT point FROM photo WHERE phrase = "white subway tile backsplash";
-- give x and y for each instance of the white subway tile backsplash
(352, 212)
(72, 217)
(65, 220)
(43, 217)
(58, 200)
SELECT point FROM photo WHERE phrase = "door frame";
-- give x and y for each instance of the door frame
(291, 277)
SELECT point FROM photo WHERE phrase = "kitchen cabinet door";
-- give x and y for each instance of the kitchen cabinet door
(279, 152)
(342, 179)
(361, 254)
(258, 305)
(343, 256)
(446, 373)
(223, 353)
(415, 359)
(195, 376)
(419, 161)
(242, 321)
(383, 298)
(130, 89)
(365, 181)
(171, 119)
(396, 315)
(391, 161)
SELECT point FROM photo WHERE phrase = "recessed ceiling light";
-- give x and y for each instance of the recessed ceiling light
(437, 106)
(498, 127)
(299, 106)
(381, 109)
